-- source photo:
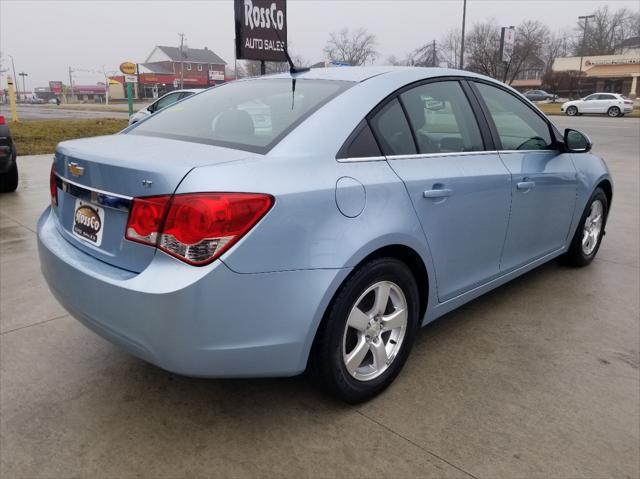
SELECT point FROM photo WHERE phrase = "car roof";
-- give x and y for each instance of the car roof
(359, 74)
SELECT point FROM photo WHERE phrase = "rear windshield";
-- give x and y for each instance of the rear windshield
(250, 115)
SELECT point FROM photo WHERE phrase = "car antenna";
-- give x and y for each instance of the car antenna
(292, 69)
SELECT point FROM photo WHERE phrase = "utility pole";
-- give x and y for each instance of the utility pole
(70, 86)
(13, 66)
(434, 57)
(584, 37)
(24, 87)
(181, 35)
(464, 19)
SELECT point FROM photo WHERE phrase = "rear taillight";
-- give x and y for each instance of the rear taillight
(2, 120)
(53, 187)
(195, 227)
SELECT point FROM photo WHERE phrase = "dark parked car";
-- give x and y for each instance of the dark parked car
(538, 95)
(8, 165)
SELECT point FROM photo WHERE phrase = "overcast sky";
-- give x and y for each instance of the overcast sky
(45, 37)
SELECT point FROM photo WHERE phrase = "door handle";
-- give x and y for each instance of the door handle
(437, 193)
(526, 185)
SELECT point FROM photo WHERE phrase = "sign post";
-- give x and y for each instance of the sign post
(12, 98)
(261, 30)
(128, 69)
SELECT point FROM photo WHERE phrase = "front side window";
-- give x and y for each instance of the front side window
(591, 97)
(518, 126)
(249, 115)
(441, 118)
(392, 130)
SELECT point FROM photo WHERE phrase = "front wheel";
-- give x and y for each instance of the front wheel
(368, 331)
(588, 236)
(572, 111)
(614, 111)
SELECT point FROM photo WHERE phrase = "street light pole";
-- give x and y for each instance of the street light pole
(24, 87)
(464, 19)
(584, 37)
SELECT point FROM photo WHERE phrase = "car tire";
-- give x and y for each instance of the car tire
(9, 179)
(613, 112)
(357, 353)
(572, 111)
(588, 236)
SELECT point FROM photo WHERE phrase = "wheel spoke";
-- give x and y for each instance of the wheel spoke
(354, 358)
(357, 319)
(382, 298)
(397, 319)
(585, 239)
(379, 354)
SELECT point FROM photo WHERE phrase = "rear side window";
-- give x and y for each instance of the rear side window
(518, 126)
(607, 97)
(441, 118)
(361, 144)
(392, 130)
(250, 115)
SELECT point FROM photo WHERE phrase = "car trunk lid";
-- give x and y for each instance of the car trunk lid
(97, 179)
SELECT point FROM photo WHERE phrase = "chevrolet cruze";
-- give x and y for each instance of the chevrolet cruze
(313, 220)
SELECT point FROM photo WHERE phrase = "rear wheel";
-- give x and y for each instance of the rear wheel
(614, 111)
(588, 236)
(9, 180)
(368, 332)
(572, 111)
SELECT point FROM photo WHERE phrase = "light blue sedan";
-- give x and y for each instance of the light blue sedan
(281, 223)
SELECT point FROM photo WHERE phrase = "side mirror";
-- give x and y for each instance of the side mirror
(576, 141)
(151, 108)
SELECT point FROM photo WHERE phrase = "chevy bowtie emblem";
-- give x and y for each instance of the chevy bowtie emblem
(75, 170)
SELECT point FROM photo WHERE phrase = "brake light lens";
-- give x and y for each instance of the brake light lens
(2, 120)
(195, 227)
(53, 187)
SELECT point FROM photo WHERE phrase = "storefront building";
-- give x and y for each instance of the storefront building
(167, 68)
(606, 73)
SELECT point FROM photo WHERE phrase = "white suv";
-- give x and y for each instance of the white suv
(612, 104)
(164, 101)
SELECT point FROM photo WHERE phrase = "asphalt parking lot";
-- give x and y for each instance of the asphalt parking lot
(537, 379)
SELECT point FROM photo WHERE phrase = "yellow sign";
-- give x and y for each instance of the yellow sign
(128, 68)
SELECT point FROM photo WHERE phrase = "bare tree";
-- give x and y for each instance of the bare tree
(251, 68)
(605, 31)
(483, 47)
(450, 46)
(554, 46)
(357, 48)
(427, 55)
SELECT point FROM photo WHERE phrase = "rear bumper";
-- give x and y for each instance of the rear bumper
(207, 321)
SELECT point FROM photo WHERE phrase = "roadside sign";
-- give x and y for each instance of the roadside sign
(507, 43)
(131, 78)
(215, 75)
(128, 68)
(261, 30)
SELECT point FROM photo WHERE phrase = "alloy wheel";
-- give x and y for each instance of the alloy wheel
(592, 227)
(375, 331)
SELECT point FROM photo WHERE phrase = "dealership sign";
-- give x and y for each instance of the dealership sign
(261, 30)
